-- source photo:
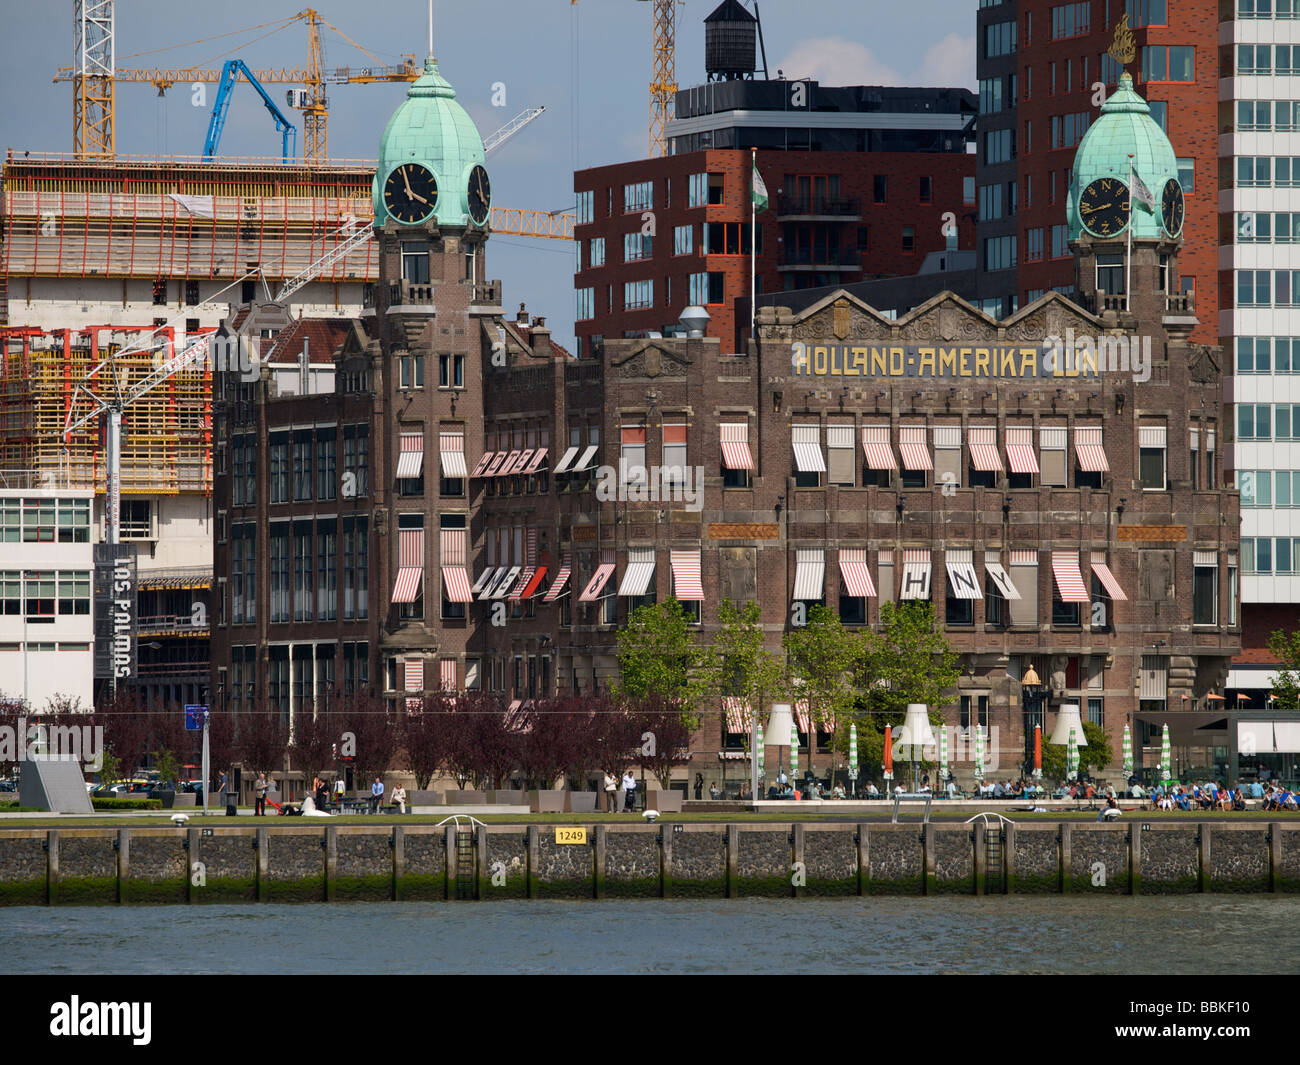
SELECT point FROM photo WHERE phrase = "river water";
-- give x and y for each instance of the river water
(1003, 934)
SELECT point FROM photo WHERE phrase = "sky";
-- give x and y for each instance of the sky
(588, 63)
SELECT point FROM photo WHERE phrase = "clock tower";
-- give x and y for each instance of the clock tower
(1125, 216)
(432, 196)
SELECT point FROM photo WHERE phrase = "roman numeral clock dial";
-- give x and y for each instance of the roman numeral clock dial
(410, 193)
(1104, 207)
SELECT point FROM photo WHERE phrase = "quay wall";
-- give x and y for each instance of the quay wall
(311, 863)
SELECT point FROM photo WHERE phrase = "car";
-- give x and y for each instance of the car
(8, 785)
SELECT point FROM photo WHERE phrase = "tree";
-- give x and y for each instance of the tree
(738, 665)
(461, 756)
(316, 737)
(427, 737)
(658, 655)
(127, 729)
(262, 738)
(1286, 684)
(821, 659)
(375, 734)
(1097, 755)
(909, 661)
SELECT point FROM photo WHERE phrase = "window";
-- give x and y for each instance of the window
(1068, 130)
(697, 190)
(586, 304)
(74, 592)
(729, 238)
(909, 239)
(278, 452)
(415, 262)
(1034, 244)
(137, 519)
(999, 39)
(925, 192)
(303, 571)
(279, 570)
(707, 288)
(638, 294)
(990, 202)
(631, 456)
(1151, 457)
(683, 240)
(411, 371)
(326, 463)
(356, 461)
(1070, 20)
(1255, 421)
(967, 190)
(990, 95)
(74, 521)
(879, 188)
(999, 252)
(1172, 63)
(637, 246)
(302, 448)
(999, 147)
(586, 208)
(596, 256)
(1205, 588)
(715, 190)
(160, 291)
(638, 196)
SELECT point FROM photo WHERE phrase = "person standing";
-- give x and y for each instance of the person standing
(259, 807)
(629, 791)
(699, 786)
(611, 792)
(376, 795)
(223, 786)
(340, 789)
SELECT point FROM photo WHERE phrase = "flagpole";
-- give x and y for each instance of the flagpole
(753, 245)
(1128, 265)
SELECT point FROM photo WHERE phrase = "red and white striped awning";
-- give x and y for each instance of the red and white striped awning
(533, 583)
(561, 579)
(1091, 454)
(875, 446)
(448, 678)
(1020, 451)
(1102, 572)
(854, 574)
(507, 467)
(413, 674)
(410, 462)
(451, 455)
(597, 583)
(535, 463)
(483, 463)
(407, 585)
(738, 716)
(735, 446)
(984, 449)
(456, 580)
(911, 445)
(805, 440)
(566, 460)
(1069, 581)
(687, 584)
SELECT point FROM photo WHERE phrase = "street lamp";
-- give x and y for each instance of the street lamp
(1033, 693)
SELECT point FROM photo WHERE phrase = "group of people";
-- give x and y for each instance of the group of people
(613, 788)
(1213, 796)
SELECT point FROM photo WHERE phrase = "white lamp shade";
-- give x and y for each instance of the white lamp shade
(779, 725)
(915, 730)
(1066, 720)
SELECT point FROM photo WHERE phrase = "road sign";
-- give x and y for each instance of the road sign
(194, 718)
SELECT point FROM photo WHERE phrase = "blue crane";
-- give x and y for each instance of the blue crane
(229, 75)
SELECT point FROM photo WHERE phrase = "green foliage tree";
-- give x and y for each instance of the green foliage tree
(658, 655)
(1286, 686)
(822, 658)
(737, 663)
(909, 661)
(168, 767)
(1096, 756)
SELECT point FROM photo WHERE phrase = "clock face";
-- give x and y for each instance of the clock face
(410, 193)
(1172, 207)
(1104, 207)
(479, 195)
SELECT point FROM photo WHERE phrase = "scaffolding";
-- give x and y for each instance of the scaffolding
(166, 434)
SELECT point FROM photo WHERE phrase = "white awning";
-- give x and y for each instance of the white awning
(588, 457)
(809, 573)
(507, 582)
(563, 465)
(961, 574)
(410, 461)
(639, 573)
(807, 449)
(1268, 737)
(1001, 579)
(916, 575)
(451, 454)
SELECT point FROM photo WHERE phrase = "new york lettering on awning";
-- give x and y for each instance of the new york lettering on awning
(507, 582)
(483, 463)
(960, 563)
(999, 576)
(506, 467)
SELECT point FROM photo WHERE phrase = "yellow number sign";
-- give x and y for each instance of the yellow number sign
(570, 835)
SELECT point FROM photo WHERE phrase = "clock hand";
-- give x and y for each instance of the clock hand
(417, 196)
(407, 182)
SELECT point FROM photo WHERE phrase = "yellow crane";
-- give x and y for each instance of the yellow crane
(95, 74)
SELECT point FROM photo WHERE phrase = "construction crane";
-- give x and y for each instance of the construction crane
(229, 75)
(94, 76)
(663, 78)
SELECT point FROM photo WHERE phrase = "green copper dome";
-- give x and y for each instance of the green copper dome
(1125, 127)
(433, 130)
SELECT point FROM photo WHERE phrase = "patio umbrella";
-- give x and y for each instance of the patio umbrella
(1166, 758)
(943, 752)
(761, 753)
(1072, 756)
(979, 753)
(1128, 754)
(853, 759)
(888, 761)
(794, 752)
(1038, 752)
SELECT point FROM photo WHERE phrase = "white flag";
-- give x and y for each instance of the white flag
(1142, 194)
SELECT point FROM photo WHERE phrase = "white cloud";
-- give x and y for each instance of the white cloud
(949, 62)
(837, 62)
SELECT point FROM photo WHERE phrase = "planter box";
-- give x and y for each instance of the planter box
(418, 797)
(666, 802)
(184, 798)
(465, 798)
(583, 802)
(167, 798)
(512, 798)
(546, 802)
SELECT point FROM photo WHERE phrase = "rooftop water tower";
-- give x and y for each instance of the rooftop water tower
(730, 36)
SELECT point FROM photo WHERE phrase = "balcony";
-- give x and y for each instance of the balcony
(411, 297)
(170, 625)
(814, 208)
(820, 259)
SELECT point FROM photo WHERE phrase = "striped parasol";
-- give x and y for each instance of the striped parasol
(1128, 754)
(979, 753)
(853, 750)
(943, 752)
(1166, 758)
(794, 752)
(1072, 756)
(761, 753)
